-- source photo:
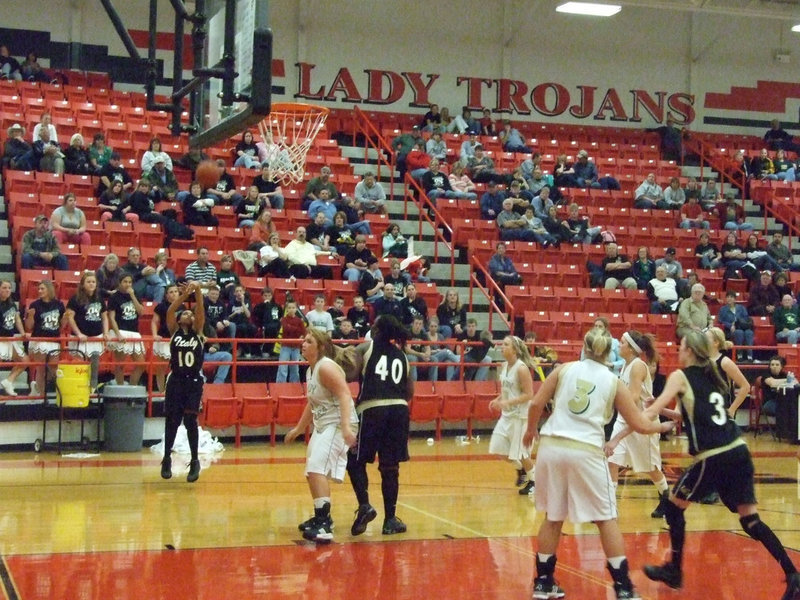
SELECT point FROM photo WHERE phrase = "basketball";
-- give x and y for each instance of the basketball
(207, 174)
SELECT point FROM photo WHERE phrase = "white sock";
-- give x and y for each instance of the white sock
(543, 557)
(530, 474)
(661, 485)
(320, 502)
(616, 561)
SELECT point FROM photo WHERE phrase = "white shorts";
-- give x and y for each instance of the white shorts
(641, 452)
(10, 349)
(327, 453)
(130, 346)
(573, 482)
(43, 347)
(507, 438)
(161, 350)
(89, 347)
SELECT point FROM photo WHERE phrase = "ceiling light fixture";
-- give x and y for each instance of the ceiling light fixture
(589, 8)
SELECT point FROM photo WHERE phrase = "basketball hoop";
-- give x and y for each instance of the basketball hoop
(288, 133)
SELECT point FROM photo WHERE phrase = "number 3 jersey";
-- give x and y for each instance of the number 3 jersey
(384, 376)
(704, 414)
(186, 354)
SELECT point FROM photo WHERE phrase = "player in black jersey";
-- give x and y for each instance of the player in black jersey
(184, 394)
(160, 332)
(722, 461)
(382, 405)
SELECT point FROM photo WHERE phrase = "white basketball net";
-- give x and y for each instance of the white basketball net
(287, 133)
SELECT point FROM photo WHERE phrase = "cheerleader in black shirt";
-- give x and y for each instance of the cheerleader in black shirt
(87, 319)
(43, 320)
(10, 327)
(123, 317)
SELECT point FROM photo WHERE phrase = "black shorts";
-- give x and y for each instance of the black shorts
(383, 430)
(183, 395)
(730, 474)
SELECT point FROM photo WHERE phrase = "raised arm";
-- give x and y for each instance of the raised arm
(186, 291)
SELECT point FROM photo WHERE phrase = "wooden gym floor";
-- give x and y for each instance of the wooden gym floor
(108, 527)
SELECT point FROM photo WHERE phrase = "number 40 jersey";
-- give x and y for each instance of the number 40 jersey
(385, 373)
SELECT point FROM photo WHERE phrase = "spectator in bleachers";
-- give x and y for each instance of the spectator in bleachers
(302, 257)
(45, 122)
(201, 270)
(267, 316)
(734, 257)
(323, 204)
(413, 305)
(240, 315)
(271, 192)
(388, 304)
(316, 233)
(643, 268)
(227, 280)
(481, 167)
(469, 124)
(431, 119)
(318, 317)
(262, 230)
(692, 188)
(585, 171)
(671, 140)
(777, 138)
(763, 297)
(370, 282)
(293, 328)
(166, 276)
(197, 207)
(512, 226)
(354, 216)
(487, 123)
(225, 192)
(246, 153)
(674, 271)
(692, 215)
(512, 139)
(581, 227)
(394, 243)
(40, 247)
(359, 316)
(468, 148)
(357, 259)
(447, 123)
(452, 315)
(192, 158)
(272, 258)
(737, 324)
(674, 196)
(542, 202)
(99, 153)
(564, 172)
(538, 180)
(76, 157)
(218, 315)
(436, 183)
(68, 222)
(441, 353)
(540, 234)
(86, 318)
(9, 66)
(781, 254)
(249, 208)
(693, 313)
(524, 189)
(163, 183)
(417, 353)
(113, 171)
(762, 166)
(212, 354)
(398, 279)
(502, 268)
(43, 320)
(662, 292)
(417, 160)
(707, 253)
(521, 202)
(710, 195)
(529, 165)
(436, 147)
(649, 194)
(781, 281)
(12, 331)
(785, 169)
(758, 256)
(146, 283)
(460, 181)
(123, 313)
(787, 321)
(31, 70)
(731, 214)
(476, 353)
(402, 145)
(617, 269)
(47, 154)
(741, 172)
(556, 226)
(140, 206)
(108, 275)
(340, 235)
(492, 201)
(154, 152)
(315, 186)
(336, 311)
(370, 195)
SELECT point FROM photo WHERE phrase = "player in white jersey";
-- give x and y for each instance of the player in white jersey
(572, 477)
(516, 392)
(626, 448)
(330, 408)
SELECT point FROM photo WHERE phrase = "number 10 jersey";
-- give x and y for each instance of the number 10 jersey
(186, 354)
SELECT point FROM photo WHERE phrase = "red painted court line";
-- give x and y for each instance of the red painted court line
(718, 566)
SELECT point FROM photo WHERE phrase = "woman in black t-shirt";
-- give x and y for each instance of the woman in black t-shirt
(246, 152)
(123, 316)
(10, 327)
(87, 319)
(452, 315)
(43, 320)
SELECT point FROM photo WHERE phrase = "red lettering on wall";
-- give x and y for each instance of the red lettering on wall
(654, 108)
(586, 106)
(682, 108)
(560, 96)
(304, 82)
(474, 91)
(344, 83)
(611, 102)
(511, 96)
(376, 77)
(420, 89)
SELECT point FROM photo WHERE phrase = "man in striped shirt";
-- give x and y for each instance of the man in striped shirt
(201, 270)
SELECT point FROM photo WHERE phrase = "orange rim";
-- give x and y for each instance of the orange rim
(298, 108)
